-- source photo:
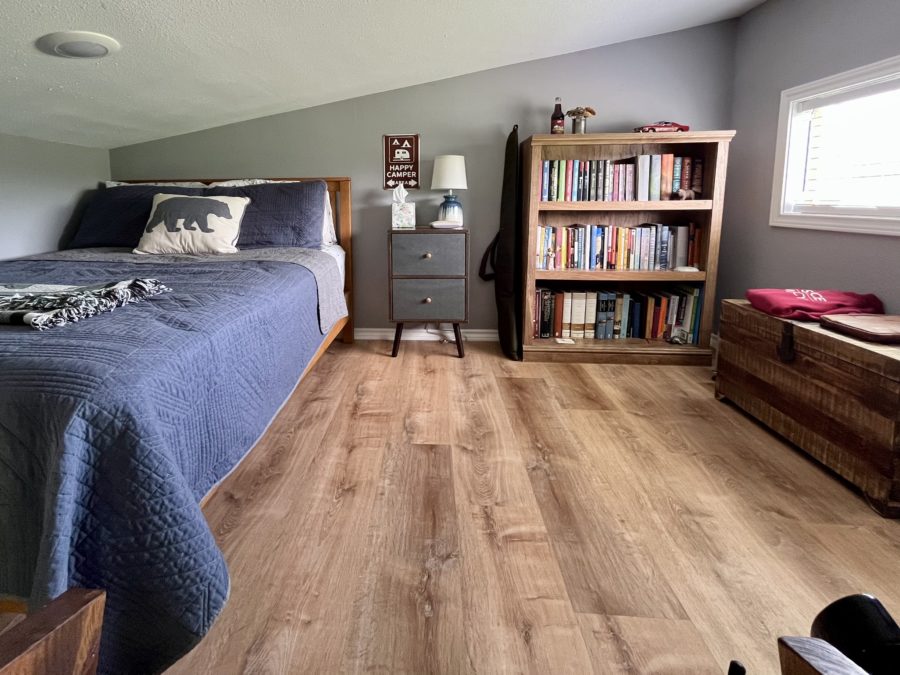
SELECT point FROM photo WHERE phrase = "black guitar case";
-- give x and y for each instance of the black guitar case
(504, 255)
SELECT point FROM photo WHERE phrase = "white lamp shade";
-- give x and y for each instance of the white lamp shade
(449, 173)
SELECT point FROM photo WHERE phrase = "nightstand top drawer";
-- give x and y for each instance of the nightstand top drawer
(439, 254)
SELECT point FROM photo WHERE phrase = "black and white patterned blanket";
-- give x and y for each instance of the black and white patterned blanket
(44, 306)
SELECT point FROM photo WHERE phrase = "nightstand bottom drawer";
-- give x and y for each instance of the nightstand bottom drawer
(428, 300)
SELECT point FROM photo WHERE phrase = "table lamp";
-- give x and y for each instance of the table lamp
(449, 174)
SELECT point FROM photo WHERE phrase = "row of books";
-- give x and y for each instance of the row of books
(650, 246)
(640, 178)
(673, 315)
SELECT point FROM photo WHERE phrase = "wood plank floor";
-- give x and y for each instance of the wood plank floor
(429, 514)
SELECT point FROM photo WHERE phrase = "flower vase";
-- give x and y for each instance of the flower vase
(579, 124)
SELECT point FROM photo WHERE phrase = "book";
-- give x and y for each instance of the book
(607, 180)
(697, 260)
(697, 175)
(672, 318)
(617, 170)
(649, 310)
(545, 180)
(568, 193)
(642, 178)
(629, 182)
(592, 192)
(567, 314)
(610, 315)
(546, 323)
(560, 180)
(588, 166)
(676, 175)
(635, 321)
(667, 167)
(576, 183)
(663, 262)
(687, 321)
(600, 328)
(685, 173)
(663, 313)
(681, 246)
(626, 315)
(617, 318)
(557, 314)
(590, 316)
(579, 300)
(698, 310)
(655, 172)
(554, 175)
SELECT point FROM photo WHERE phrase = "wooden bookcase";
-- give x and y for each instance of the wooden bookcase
(712, 147)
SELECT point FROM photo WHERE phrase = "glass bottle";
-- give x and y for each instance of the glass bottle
(558, 119)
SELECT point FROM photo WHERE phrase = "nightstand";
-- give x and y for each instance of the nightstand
(429, 277)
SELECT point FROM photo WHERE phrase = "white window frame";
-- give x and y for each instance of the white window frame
(835, 219)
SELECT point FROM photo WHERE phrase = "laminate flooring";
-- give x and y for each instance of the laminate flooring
(429, 514)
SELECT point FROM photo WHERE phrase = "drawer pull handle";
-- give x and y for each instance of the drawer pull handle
(427, 256)
(427, 301)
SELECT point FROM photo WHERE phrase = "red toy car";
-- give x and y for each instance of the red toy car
(663, 126)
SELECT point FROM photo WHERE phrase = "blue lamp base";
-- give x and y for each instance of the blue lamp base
(450, 209)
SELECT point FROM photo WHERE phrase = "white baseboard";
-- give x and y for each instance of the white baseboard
(433, 334)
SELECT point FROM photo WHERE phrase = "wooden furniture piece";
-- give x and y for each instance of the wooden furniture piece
(429, 279)
(812, 656)
(61, 638)
(836, 397)
(712, 148)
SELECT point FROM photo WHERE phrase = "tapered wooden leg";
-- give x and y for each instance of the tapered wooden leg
(459, 341)
(397, 333)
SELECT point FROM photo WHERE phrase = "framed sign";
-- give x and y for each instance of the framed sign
(401, 161)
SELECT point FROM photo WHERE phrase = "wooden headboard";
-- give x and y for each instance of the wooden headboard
(341, 207)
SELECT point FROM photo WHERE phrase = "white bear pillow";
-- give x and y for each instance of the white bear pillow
(182, 224)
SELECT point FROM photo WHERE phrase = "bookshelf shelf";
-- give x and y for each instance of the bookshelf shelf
(613, 275)
(709, 149)
(618, 351)
(671, 205)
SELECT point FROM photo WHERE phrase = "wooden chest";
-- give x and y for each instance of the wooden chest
(836, 397)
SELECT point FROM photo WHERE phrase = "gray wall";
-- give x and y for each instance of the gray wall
(781, 44)
(41, 184)
(684, 76)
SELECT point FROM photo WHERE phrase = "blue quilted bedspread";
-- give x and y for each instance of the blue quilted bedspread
(113, 428)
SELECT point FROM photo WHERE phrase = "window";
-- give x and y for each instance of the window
(837, 163)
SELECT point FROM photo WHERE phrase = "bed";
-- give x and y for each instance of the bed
(114, 429)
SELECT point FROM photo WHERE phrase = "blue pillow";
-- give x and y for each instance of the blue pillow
(117, 216)
(279, 214)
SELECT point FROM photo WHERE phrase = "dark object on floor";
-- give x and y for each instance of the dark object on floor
(505, 255)
(861, 628)
(61, 637)
(884, 328)
(736, 668)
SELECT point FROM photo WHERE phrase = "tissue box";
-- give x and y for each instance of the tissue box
(403, 216)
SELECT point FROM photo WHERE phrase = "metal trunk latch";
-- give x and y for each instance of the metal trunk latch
(786, 348)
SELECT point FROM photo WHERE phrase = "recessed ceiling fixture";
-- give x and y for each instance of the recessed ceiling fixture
(78, 44)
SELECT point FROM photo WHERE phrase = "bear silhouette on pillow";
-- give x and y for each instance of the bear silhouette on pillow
(192, 210)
